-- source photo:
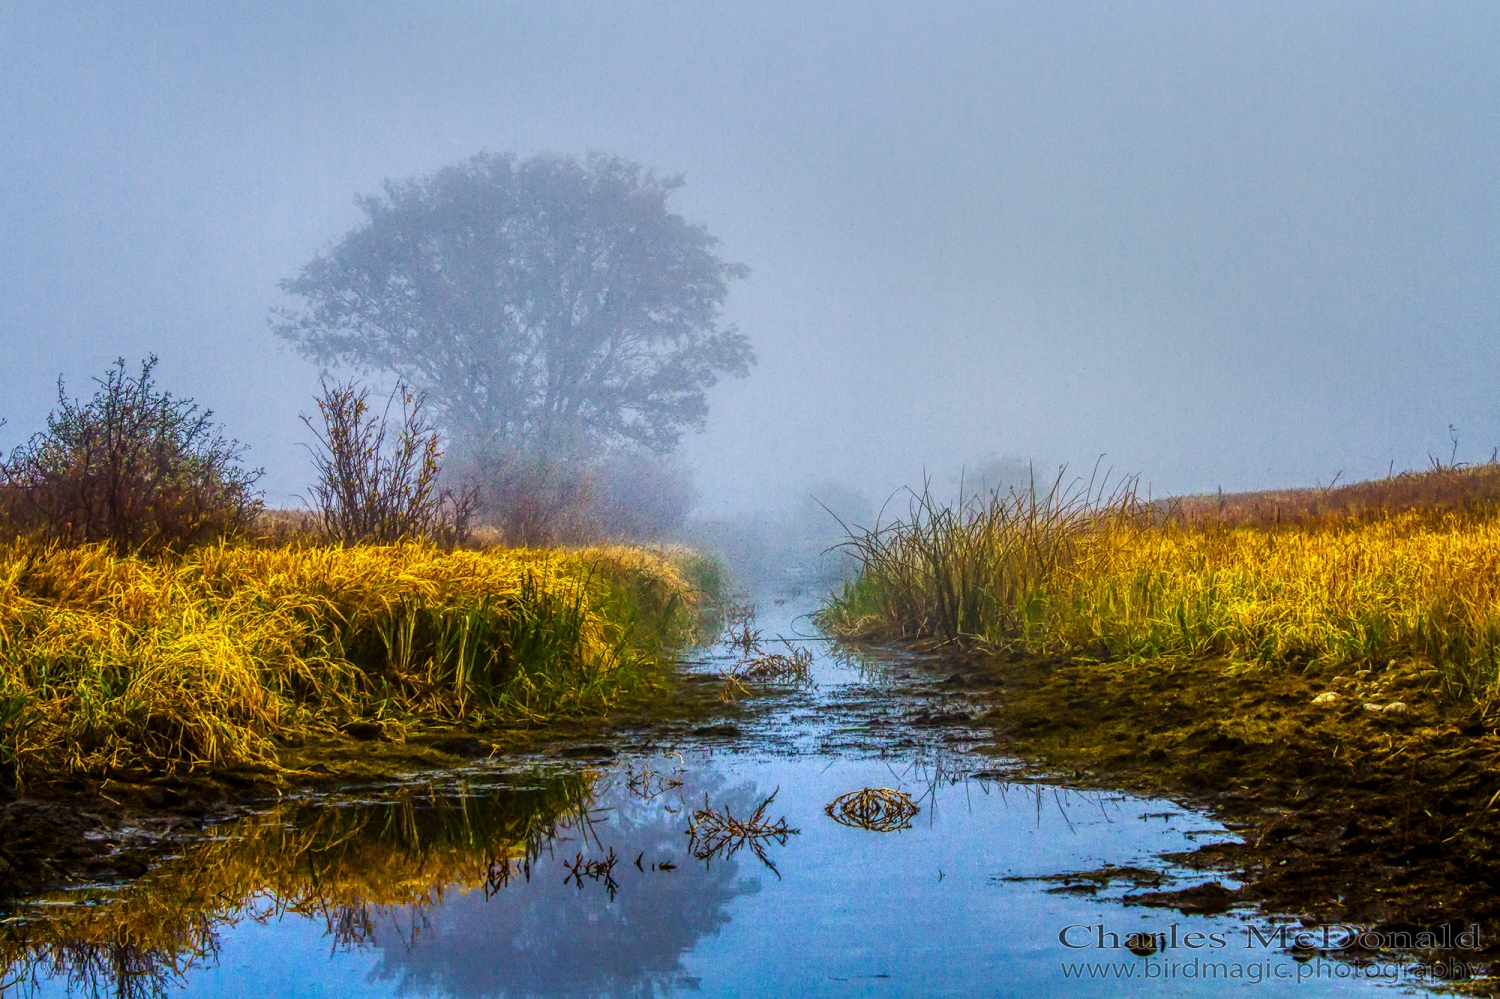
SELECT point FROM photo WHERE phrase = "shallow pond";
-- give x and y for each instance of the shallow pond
(620, 877)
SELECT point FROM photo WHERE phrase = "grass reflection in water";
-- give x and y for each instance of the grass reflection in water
(348, 863)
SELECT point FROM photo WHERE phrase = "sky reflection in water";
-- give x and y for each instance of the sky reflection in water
(847, 912)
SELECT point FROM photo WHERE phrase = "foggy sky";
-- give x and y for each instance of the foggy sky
(1227, 245)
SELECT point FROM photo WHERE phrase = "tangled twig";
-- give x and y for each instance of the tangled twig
(768, 667)
(878, 809)
(648, 784)
(714, 833)
(595, 870)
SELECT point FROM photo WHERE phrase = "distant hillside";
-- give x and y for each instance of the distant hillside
(1473, 487)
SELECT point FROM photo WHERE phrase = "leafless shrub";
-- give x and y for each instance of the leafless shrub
(133, 466)
(378, 475)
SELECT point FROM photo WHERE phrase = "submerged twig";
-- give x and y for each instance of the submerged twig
(878, 809)
(714, 833)
(595, 870)
(648, 784)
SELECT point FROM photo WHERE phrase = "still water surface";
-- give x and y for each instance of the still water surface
(498, 881)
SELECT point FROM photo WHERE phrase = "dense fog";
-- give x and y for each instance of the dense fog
(1236, 245)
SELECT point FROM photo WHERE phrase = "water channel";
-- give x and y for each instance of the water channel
(579, 878)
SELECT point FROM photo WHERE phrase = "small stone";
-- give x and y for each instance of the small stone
(1395, 708)
(1373, 707)
(1327, 697)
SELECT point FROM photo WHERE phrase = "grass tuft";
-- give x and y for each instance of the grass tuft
(1108, 577)
(111, 663)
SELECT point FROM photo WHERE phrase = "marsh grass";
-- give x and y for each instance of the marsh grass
(981, 568)
(1111, 577)
(111, 664)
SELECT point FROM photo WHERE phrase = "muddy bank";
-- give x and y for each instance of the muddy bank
(85, 829)
(1363, 797)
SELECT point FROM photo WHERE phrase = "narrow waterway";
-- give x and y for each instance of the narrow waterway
(623, 873)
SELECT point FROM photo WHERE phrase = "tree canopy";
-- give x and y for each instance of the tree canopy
(550, 303)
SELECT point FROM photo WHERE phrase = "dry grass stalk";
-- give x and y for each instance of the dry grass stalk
(594, 870)
(769, 667)
(111, 663)
(878, 809)
(647, 784)
(716, 833)
(739, 629)
(773, 667)
(756, 665)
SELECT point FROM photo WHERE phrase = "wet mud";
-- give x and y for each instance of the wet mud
(1350, 811)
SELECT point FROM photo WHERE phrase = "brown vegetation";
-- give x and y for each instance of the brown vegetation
(133, 467)
(878, 809)
(718, 832)
(378, 476)
(1441, 489)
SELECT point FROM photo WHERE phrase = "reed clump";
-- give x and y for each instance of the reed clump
(112, 663)
(1106, 575)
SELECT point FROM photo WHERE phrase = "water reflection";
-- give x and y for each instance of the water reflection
(566, 935)
(573, 884)
(953, 877)
(341, 862)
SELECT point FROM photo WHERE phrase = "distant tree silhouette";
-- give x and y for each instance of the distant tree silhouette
(545, 306)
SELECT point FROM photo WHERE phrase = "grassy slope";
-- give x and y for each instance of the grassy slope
(1191, 656)
(124, 666)
(1420, 587)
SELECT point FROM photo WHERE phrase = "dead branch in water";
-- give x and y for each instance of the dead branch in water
(714, 833)
(595, 870)
(647, 784)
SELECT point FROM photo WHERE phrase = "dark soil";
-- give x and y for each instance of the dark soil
(1350, 815)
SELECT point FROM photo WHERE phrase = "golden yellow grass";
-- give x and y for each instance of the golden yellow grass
(110, 662)
(1115, 580)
